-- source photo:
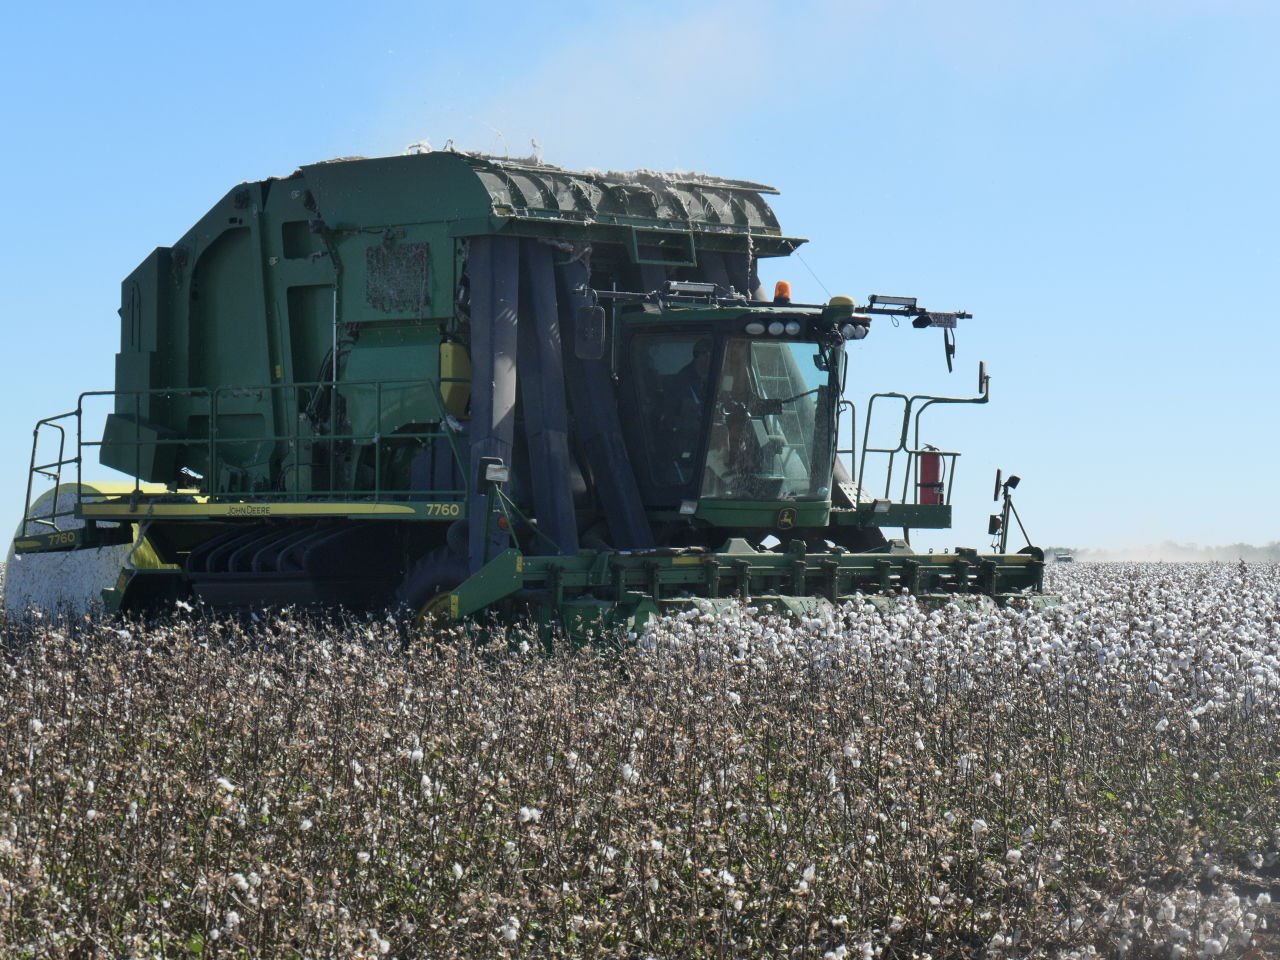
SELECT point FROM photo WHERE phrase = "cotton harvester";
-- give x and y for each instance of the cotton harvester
(456, 384)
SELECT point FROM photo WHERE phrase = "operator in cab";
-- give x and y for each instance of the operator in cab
(685, 394)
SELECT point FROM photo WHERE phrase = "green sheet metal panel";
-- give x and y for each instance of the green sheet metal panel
(246, 301)
(400, 352)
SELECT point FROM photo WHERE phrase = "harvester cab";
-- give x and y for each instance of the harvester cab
(460, 385)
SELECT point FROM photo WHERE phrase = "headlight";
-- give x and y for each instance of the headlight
(777, 328)
(793, 327)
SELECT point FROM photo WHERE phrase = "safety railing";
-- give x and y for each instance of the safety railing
(52, 472)
(927, 472)
(319, 458)
(911, 453)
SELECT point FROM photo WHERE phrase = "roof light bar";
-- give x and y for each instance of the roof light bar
(691, 287)
(906, 304)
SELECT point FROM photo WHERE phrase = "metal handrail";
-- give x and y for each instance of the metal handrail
(53, 469)
(293, 437)
(913, 452)
(852, 450)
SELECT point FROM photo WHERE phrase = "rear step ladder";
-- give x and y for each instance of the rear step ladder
(50, 471)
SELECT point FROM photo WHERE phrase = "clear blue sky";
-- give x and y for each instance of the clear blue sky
(1097, 182)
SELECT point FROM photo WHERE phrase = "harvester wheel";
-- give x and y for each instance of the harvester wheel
(434, 610)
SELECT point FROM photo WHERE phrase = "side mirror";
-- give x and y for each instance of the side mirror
(589, 333)
(984, 378)
(999, 484)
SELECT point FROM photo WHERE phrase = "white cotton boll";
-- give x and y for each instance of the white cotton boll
(457, 870)
(510, 930)
(630, 774)
(306, 824)
(734, 698)
(529, 814)
(416, 754)
(726, 878)
(810, 872)
(1163, 725)
(241, 882)
(1013, 856)
(90, 814)
(1212, 948)
(1263, 899)
(837, 954)
(1177, 951)
(226, 785)
(363, 856)
(233, 919)
(980, 828)
(652, 884)
(35, 725)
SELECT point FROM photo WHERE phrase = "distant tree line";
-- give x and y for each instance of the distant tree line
(1172, 550)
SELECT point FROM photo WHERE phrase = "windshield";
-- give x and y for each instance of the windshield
(770, 424)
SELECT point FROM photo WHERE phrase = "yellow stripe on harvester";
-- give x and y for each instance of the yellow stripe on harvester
(127, 511)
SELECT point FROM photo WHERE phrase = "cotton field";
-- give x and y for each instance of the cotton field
(1101, 778)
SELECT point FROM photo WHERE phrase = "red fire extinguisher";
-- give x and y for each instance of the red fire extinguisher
(929, 488)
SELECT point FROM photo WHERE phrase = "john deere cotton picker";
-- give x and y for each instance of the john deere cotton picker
(457, 384)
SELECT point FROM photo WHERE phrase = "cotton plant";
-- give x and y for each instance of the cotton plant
(1093, 779)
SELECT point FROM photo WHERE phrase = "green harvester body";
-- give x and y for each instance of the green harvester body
(464, 385)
